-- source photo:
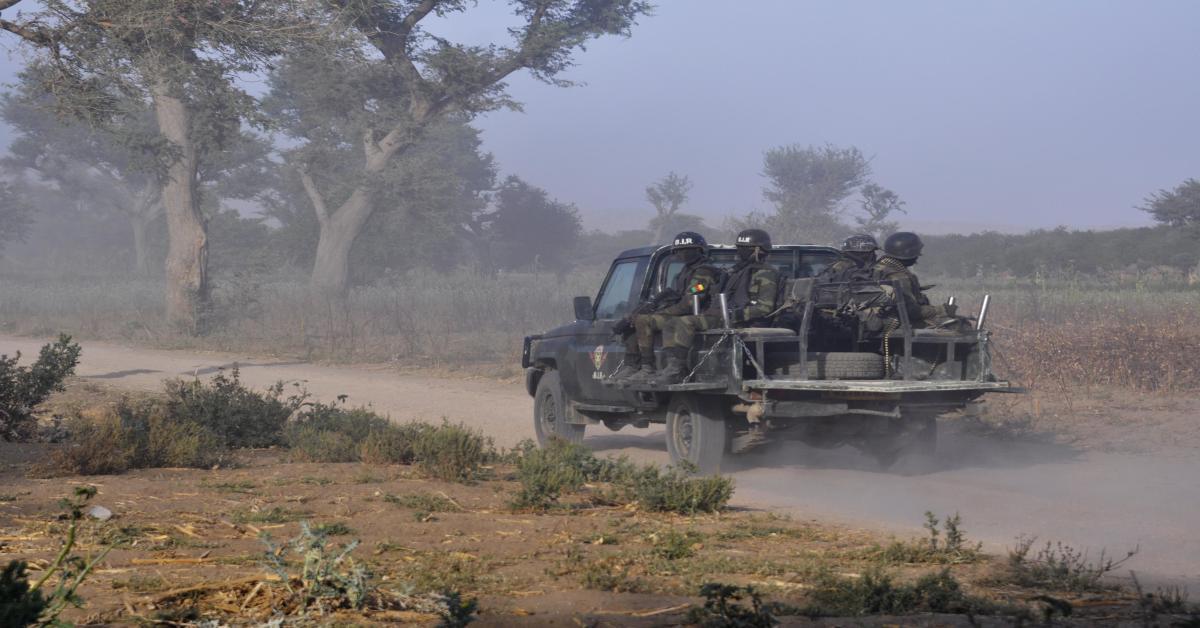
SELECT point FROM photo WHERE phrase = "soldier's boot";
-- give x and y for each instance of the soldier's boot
(627, 370)
(645, 375)
(675, 370)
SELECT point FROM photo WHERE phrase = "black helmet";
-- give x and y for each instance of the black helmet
(687, 239)
(903, 245)
(754, 237)
(860, 243)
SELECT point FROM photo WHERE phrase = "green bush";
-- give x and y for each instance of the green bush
(331, 433)
(19, 605)
(452, 452)
(676, 490)
(1060, 567)
(133, 435)
(392, 444)
(240, 416)
(23, 388)
(875, 593)
(722, 608)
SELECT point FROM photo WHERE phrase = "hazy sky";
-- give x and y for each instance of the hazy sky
(1004, 114)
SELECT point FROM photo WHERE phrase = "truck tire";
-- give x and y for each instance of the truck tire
(550, 412)
(840, 365)
(696, 431)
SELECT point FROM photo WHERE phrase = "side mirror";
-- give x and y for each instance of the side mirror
(583, 309)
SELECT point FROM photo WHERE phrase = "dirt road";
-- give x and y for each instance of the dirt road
(1001, 489)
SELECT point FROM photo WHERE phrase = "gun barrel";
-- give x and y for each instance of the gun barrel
(725, 310)
(983, 310)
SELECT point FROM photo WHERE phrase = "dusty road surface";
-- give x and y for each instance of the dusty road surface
(1002, 489)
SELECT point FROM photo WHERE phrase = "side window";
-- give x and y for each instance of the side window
(668, 271)
(811, 264)
(621, 290)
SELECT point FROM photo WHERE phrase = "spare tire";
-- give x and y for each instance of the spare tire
(841, 365)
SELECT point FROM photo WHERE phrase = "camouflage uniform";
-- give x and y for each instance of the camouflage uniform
(698, 278)
(844, 268)
(751, 289)
(906, 282)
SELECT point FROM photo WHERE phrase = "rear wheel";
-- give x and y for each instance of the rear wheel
(696, 431)
(550, 412)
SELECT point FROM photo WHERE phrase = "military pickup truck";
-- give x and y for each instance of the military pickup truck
(830, 372)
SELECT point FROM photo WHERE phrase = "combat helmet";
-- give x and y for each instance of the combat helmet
(903, 245)
(688, 239)
(860, 243)
(754, 238)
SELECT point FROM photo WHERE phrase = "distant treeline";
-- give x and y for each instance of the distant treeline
(1059, 251)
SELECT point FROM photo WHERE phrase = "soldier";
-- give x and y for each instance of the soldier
(858, 253)
(697, 277)
(751, 289)
(900, 253)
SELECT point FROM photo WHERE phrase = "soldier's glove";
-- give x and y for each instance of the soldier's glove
(624, 327)
(951, 310)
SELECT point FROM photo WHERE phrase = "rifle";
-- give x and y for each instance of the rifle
(655, 303)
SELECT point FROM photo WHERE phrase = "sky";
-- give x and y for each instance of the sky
(995, 114)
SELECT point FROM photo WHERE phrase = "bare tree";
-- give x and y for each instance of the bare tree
(878, 205)
(667, 195)
(434, 78)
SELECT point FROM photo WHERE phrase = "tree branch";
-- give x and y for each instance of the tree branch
(8, 4)
(33, 34)
(310, 188)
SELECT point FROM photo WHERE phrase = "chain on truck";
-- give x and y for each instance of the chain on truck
(830, 372)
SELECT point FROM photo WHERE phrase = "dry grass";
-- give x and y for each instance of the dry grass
(1048, 335)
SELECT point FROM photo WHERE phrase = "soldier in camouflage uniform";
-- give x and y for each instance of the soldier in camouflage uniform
(751, 290)
(698, 277)
(858, 253)
(900, 253)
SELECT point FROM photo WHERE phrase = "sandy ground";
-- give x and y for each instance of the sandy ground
(1003, 488)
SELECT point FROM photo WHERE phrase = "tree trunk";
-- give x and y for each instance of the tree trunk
(187, 233)
(147, 205)
(331, 268)
(141, 263)
(658, 231)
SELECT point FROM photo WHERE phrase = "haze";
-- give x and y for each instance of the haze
(1003, 115)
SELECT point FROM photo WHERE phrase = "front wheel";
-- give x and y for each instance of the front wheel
(696, 431)
(550, 412)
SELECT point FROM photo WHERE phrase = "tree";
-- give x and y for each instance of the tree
(427, 79)
(807, 187)
(15, 214)
(667, 195)
(1179, 207)
(531, 230)
(92, 166)
(878, 205)
(181, 58)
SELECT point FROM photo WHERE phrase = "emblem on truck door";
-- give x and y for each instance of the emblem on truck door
(598, 356)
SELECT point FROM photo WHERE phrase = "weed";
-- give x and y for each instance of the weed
(423, 502)
(243, 487)
(274, 514)
(22, 603)
(946, 545)
(336, 528)
(367, 478)
(316, 481)
(875, 593)
(722, 608)
(609, 574)
(22, 388)
(331, 433)
(391, 444)
(674, 545)
(141, 584)
(545, 474)
(329, 578)
(7, 498)
(1059, 567)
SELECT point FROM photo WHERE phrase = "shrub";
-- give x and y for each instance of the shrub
(1059, 567)
(391, 444)
(546, 473)
(19, 605)
(452, 452)
(875, 593)
(133, 435)
(240, 416)
(331, 433)
(23, 388)
(676, 490)
(722, 609)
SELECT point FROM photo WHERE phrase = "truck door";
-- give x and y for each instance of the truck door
(597, 351)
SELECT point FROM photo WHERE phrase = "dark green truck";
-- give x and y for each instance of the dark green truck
(823, 375)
